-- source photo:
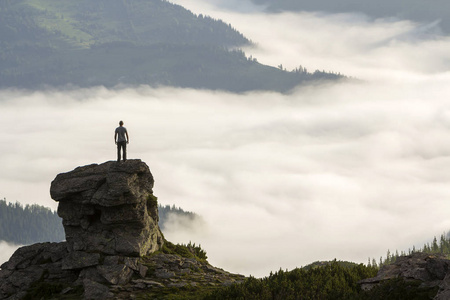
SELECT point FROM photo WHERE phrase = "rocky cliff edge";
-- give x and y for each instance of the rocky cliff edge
(114, 247)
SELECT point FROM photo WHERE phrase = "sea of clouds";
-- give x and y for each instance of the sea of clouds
(340, 170)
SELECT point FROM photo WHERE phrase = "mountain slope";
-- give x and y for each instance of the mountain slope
(112, 42)
(84, 23)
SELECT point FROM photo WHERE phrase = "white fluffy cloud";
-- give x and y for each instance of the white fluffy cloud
(344, 170)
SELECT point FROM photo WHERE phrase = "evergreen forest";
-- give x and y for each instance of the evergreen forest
(335, 280)
(63, 43)
(166, 211)
(331, 281)
(29, 224)
(435, 247)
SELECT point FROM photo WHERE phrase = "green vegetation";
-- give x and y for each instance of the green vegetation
(187, 251)
(319, 280)
(441, 247)
(319, 264)
(152, 201)
(31, 224)
(335, 280)
(129, 42)
(197, 282)
(331, 281)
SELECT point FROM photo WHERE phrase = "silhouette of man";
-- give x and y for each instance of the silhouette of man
(121, 139)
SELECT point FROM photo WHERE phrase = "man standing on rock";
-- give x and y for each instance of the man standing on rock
(121, 139)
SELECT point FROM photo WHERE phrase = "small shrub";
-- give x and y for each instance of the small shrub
(187, 251)
(152, 201)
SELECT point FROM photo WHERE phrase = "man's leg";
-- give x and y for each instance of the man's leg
(118, 151)
(124, 151)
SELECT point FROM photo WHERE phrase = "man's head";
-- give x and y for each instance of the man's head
(121, 123)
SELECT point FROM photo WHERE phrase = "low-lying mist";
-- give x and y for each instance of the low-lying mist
(344, 170)
(7, 250)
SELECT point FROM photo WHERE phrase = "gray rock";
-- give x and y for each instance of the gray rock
(35, 254)
(163, 273)
(108, 208)
(117, 274)
(132, 263)
(111, 260)
(110, 218)
(21, 280)
(80, 260)
(95, 291)
(148, 282)
(92, 274)
(444, 289)
(430, 269)
(143, 270)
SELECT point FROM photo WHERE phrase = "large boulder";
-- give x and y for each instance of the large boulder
(111, 221)
(31, 264)
(109, 208)
(430, 271)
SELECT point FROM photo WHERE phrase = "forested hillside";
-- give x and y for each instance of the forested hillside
(166, 212)
(116, 42)
(336, 280)
(80, 24)
(331, 281)
(29, 224)
(415, 10)
(34, 223)
(441, 246)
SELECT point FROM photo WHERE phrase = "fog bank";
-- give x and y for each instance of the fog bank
(7, 250)
(344, 170)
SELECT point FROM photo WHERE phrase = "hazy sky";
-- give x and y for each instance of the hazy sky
(345, 170)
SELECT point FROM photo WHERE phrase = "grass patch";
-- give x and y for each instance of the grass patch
(152, 201)
(187, 251)
(57, 18)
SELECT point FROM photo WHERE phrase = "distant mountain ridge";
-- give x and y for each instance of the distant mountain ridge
(128, 42)
(435, 11)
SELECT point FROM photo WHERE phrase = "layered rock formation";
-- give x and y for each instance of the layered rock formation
(109, 209)
(38, 272)
(110, 217)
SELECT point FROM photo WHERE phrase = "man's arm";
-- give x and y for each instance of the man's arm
(115, 137)
(128, 139)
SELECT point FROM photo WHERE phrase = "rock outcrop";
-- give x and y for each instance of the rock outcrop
(39, 268)
(109, 209)
(110, 217)
(429, 271)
